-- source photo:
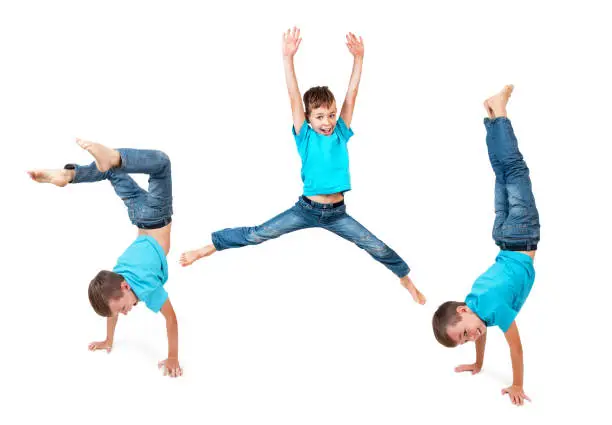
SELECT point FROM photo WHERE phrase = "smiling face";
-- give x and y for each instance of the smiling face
(469, 328)
(124, 303)
(323, 119)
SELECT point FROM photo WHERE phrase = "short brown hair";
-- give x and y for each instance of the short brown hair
(446, 316)
(104, 287)
(316, 97)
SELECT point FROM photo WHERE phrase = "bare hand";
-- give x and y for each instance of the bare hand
(291, 42)
(474, 368)
(354, 45)
(171, 368)
(102, 345)
(517, 395)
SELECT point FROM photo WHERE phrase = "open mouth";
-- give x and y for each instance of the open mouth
(326, 130)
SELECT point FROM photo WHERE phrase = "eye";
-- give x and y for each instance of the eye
(332, 116)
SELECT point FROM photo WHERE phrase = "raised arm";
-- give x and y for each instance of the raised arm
(355, 46)
(516, 393)
(291, 42)
(171, 364)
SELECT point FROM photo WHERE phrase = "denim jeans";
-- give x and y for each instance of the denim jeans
(517, 223)
(150, 209)
(308, 214)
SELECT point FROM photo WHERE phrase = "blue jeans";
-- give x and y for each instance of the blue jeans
(307, 214)
(517, 223)
(150, 209)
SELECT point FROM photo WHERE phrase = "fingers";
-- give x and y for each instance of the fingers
(352, 40)
(172, 371)
(463, 368)
(517, 398)
(292, 34)
(94, 346)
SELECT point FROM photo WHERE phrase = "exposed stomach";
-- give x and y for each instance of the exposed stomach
(530, 253)
(327, 199)
(161, 235)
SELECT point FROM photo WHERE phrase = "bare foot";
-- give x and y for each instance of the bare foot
(106, 158)
(59, 178)
(489, 110)
(496, 105)
(189, 257)
(416, 294)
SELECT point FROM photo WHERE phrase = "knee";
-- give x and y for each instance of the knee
(259, 234)
(378, 249)
(516, 168)
(163, 158)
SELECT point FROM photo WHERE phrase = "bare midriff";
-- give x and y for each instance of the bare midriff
(327, 199)
(161, 235)
(530, 253)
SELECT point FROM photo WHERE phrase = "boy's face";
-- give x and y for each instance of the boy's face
(469, 328)
(124, 303)
(323, 119)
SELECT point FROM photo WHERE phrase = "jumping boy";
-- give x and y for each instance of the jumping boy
(321, 137)
(142, 270)
(498, 295)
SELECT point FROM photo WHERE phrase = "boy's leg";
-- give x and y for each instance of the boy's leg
(501, 195)
(350, 229)
(289, 221)
(124, 186)
(520, 231)
(149, 210)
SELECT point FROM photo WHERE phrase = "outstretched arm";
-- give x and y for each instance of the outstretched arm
(171, 364)
(355, 46)
(291, 42)
(516, 393)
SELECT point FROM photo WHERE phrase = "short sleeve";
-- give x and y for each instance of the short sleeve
(156, 299)
(344, 132)
(304, 133)
(504, 316)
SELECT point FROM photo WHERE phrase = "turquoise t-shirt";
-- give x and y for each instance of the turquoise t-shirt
(144, 266)
(325, 161)
(499, 293)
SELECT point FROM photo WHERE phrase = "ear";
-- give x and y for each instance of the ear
(125, 286)
(463, 309)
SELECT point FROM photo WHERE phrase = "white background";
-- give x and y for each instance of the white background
(306, 329)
